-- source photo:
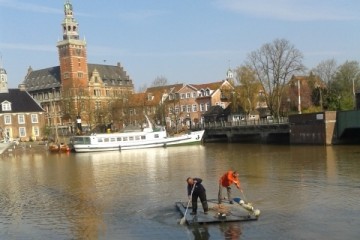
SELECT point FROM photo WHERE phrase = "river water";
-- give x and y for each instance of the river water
(303, 192)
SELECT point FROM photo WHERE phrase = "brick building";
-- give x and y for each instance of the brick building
(21, 117)
(76, 91)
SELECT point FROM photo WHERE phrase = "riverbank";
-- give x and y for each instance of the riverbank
(4, 147)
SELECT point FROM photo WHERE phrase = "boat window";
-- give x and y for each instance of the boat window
(156, 136)
(125, 138)
(106, 139)
(112, 140)
(81, 140)
(100, 140)
(119, 139)
(131, 138)
(143, 137)
(137, 138)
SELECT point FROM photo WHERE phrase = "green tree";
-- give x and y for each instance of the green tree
(345, 84)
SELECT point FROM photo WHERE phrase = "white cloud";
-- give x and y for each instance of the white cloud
(294, 10)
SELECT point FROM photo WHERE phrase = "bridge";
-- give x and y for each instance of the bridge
(265, 131)
(329, 127)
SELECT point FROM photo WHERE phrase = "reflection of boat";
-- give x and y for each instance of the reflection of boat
(132, 140)
(53, 147)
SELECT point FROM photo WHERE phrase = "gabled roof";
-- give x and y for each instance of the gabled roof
(20, 101)
(50, 77)
(165, 89)
(211, 86)
(110, 75)
(43, 79)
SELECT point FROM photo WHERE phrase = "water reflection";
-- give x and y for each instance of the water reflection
(311, 192)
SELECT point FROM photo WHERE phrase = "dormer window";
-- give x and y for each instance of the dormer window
(6, 106)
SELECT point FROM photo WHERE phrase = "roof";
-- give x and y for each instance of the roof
(165, 89)
(20, 100)
(50, 77)
(211, 86)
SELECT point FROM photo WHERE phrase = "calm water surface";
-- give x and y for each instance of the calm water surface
(303, 192)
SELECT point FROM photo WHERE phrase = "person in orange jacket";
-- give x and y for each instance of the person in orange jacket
(226, 180)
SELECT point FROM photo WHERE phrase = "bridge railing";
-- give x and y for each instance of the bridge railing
(247, 122)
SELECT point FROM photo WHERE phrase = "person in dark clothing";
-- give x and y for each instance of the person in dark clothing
(194, 184)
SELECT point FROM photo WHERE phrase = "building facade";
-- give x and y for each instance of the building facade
(77, 96)
(21, 117)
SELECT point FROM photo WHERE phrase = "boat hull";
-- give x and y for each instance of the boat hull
(115, 142)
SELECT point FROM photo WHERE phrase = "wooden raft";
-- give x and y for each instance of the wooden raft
(225, 213)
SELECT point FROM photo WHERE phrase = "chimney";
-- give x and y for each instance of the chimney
(22, 87)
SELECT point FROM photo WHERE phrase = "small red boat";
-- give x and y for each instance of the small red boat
(58, 148)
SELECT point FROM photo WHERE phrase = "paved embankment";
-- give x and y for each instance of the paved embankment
(4, 146)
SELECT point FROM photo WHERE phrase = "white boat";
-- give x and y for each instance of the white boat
(147, 138)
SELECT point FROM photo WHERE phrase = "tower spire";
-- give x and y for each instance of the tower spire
(3, 78)
(72, 52)
(70, 25)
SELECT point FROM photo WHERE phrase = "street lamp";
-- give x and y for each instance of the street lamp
(299, 96)
(289, 104)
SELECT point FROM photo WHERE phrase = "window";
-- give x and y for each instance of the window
(194, 94)
(36, 131)
(7, 119)
(22, 132)
(194, 108)
(188, 95)
(188, 108)
(34, 118)
(6, 106)
(183, 96)
(177, 109)
(207, 106)
(21, 119)
(202, 107)
(97, 105)
(80, 74)
(97, 92)
(183, 108)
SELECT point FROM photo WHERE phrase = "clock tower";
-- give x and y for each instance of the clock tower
(72, 53)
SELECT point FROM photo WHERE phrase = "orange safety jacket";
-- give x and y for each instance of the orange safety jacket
(227, 179)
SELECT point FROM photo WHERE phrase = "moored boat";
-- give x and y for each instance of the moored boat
(58, 148)
(133, 140)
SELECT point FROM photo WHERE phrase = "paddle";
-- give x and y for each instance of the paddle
(243, 195)
(183, 219)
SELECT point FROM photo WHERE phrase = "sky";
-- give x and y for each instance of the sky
(187, 41)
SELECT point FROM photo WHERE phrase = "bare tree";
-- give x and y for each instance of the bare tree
(274, 64)
(159, 81)
(326, 70)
